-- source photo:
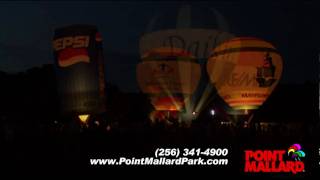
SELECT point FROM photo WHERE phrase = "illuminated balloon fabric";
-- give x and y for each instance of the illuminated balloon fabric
(196, 29)
(196, 41)
(199, 42)
(168, 75)
(245, 71)
(80, 70)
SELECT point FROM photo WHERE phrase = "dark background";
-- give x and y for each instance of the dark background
(35, 139)
(27, 31)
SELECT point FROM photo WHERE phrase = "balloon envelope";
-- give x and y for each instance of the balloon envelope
(80, 70)
(189, 29)
(169, 76)
(245, 71)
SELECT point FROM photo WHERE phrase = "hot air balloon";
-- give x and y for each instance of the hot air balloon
(245, 71)
(193, 30)
(169, 76)
(80, 70)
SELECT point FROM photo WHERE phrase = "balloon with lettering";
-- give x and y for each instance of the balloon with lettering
(80, 70)
(195, 31)
(169, 76)
(245, 71)
(199, 42)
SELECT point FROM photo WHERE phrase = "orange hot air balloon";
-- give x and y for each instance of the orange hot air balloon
(169, 76)
(245, 71)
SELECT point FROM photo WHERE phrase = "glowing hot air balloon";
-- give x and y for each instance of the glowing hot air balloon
(169, 76)
(80, 70)
(195, 30)
(245, 71)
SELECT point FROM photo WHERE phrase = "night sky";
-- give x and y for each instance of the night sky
(27, 30)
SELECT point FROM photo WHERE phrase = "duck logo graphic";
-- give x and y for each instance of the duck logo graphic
(295, 152)
(265, 73)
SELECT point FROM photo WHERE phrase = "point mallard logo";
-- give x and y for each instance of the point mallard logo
(275, 161)
(295, 152)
